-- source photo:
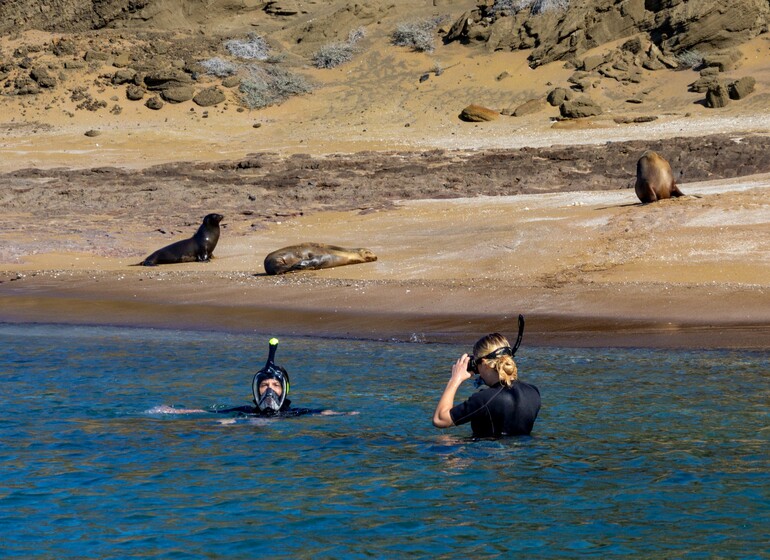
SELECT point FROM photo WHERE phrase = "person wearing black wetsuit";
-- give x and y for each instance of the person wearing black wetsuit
(507, 407)
(270, 388)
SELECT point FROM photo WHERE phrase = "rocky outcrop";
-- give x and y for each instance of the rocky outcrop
(674, 26)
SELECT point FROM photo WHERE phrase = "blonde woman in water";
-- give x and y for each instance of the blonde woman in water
(506, 407)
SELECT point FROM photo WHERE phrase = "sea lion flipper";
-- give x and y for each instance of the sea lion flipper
(675, 192)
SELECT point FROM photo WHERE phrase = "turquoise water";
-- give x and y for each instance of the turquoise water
(641, 453)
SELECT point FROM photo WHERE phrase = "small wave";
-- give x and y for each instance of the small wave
(166, 409)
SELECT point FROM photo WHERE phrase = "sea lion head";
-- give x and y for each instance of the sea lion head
(213, 219)
(367, 255)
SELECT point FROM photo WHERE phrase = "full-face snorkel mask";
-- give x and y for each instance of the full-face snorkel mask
(473, 363)
(270, 401)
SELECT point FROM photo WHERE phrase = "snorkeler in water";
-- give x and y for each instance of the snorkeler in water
(506, 407)
(270, 389)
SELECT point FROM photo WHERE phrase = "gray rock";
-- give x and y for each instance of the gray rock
(558, 96)
(580, 108)
(25, 86)
(717, 96)
(592, 62)
(122, 60)
(231, 82)
(134, 92)
(724, 61)
(160, 80)
(178, 94)
(43, 77)
(741, 88)
(529, 107)
(123, 76)
(96, 56)
(154, 103)
(209, 97)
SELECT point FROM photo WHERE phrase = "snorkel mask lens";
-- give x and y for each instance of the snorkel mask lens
(269, 401)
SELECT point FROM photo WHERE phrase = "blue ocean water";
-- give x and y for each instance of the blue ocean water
(639, 453)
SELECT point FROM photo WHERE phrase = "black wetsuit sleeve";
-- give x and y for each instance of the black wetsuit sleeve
(242, 409)
(464, 411)
(300, 411)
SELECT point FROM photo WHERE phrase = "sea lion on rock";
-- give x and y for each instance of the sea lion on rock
(199, 247)
(654, 178)
(314, 256)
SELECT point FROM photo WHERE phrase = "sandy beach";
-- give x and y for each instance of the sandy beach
(464, 245)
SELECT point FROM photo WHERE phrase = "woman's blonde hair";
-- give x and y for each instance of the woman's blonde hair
(504, 364)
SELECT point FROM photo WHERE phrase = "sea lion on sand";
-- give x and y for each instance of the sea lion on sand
(199, 247)
(654, 179)
(313, 256)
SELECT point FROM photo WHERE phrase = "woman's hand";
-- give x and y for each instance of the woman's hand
(460, 373)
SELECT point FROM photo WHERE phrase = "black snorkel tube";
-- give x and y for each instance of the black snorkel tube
(521, 333)
(272, 347)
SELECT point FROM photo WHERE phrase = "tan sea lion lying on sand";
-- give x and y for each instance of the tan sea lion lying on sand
(654, 178)
(313, 256)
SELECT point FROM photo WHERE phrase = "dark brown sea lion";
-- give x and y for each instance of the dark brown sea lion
(654, 178)
(313, 256)
(199, 247)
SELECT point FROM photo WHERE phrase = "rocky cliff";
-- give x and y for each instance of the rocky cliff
(560, 33)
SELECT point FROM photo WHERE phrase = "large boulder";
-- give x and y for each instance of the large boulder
(209, 97)
(178, 94)
(477, 113)
(741, 88)
(529, 107)
(580, 108)
(160, 80)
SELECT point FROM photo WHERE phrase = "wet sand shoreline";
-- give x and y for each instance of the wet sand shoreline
(571, 318)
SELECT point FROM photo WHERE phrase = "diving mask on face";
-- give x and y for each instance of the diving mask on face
(270, 401)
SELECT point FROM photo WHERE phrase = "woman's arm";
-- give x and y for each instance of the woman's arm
(441, 417)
